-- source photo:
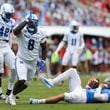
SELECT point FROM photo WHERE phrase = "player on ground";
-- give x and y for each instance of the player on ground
(75, 44)
(30, 38)
(6, 54)
(77, 94)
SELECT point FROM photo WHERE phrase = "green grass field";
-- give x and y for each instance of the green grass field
(38, 90)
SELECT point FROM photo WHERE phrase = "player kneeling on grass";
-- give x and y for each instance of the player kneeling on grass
(30, 39)
(77, 94)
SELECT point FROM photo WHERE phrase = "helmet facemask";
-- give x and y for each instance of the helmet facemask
(32, 25)
(75, 29)
(7, 16)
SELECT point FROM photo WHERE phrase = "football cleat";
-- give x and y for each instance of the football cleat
(8, 92)
(2, 97)
(33, 101)
(10, 100)
(47, 82)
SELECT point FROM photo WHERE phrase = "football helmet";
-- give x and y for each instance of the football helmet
(7, 11)
(74, 26)
(92, 83)
(32, 22)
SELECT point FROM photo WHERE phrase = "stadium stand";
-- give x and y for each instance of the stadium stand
(60, 12)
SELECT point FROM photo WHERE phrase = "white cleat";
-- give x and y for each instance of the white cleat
(47, 82)
(2, 97)
(33, 101)
(10, 100)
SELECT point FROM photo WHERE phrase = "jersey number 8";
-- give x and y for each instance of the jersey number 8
(31, 44)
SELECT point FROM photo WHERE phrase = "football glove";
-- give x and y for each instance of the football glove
(41, 65)
(28, 17)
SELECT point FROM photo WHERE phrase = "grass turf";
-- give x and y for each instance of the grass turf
(38, 90)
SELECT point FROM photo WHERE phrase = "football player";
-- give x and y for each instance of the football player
(30, 38)
(75, 44)
(77, 94)
(6, 54)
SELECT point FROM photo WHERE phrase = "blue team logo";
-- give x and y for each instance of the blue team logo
(26, 36)
(21, 62)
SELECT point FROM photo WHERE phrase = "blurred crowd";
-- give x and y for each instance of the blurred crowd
(96, 55)
(103, 5)
(60, 12)
(94, 58)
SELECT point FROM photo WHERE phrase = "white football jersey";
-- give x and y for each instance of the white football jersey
(29, 44)
(6, 29)
(73, 40)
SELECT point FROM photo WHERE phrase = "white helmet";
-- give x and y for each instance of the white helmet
(7, 11)
(33, 22)
(74, 26)
(34, 16)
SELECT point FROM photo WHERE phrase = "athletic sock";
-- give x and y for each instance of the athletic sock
(10, 86)
(41, 101)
